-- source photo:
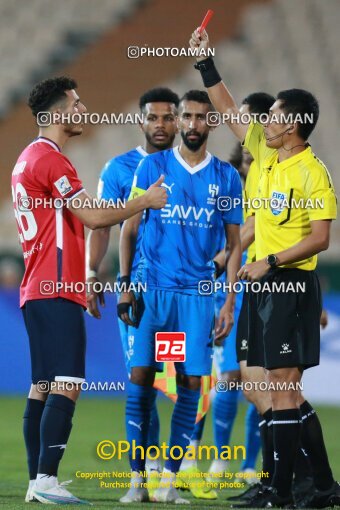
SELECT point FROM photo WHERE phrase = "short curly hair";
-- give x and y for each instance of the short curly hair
(158, 95)
(47, 93)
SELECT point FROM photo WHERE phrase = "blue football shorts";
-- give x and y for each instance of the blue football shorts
(172, 311)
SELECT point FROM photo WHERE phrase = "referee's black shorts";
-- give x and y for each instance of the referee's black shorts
(284, 327)
(242, 329)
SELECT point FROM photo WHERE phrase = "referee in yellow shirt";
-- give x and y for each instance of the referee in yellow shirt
(291, 228)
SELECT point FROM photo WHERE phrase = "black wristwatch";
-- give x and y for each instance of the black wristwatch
(272, 261)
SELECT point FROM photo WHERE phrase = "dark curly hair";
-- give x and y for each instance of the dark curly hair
(158, 95)
(49, 92)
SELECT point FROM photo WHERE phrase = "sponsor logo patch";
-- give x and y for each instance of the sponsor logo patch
(244, 345)
(170, 346)
(285, 349)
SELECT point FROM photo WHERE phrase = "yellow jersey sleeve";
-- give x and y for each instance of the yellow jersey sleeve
(256, 144)
(251, 192)
(320, 194)
(251, 189)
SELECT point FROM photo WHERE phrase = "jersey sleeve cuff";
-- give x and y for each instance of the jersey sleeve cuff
(75, 194)
(325, 216)
(232, 222)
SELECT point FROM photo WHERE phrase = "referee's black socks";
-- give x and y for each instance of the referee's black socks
(313, 442)
(56, 425)
(286, 434)
(303, 468)
(266, 433)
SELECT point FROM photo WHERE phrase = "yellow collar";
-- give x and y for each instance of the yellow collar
(294, 159)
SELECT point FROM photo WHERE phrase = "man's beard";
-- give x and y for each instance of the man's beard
(166, 144)
(194, 145)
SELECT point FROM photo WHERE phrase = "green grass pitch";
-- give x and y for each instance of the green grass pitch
(99, 419)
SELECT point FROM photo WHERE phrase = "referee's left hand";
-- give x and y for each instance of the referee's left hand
(253, 271)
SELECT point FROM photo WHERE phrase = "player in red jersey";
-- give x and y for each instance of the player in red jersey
(51, 209)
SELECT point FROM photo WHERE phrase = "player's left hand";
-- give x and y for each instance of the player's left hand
(223, 324)
(253, 271)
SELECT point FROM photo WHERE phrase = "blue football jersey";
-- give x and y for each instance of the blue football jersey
(115, 184)
(180, 241)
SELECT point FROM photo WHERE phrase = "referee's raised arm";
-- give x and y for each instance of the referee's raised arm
(219, 95)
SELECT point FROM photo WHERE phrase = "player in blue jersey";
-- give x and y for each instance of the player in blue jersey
(159, 109)
(226, 398)
(177, 251)
(225, 402)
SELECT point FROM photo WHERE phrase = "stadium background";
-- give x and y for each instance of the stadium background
(264, 45)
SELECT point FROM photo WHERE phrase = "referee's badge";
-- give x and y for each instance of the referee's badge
(278, 201)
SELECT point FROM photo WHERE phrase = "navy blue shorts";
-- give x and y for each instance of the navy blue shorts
(57, 337)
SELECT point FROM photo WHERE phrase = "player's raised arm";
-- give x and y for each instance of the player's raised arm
(93, 216)
(220, 96)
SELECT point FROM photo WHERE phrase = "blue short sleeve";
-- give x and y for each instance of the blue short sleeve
(232, 212)
(108, 186)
